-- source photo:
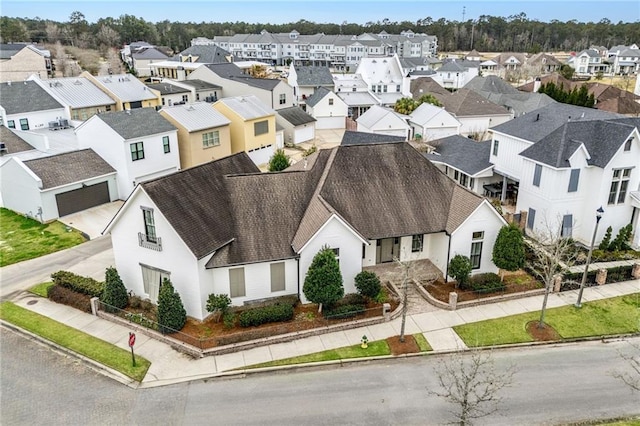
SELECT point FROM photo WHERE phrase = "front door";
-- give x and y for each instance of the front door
(387, 249)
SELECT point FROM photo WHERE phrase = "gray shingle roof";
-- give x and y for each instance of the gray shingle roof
(452, 66)
(490, 83)
(207, 54)
(26, 96)
(317, 96)
(12, 142)
(314, 76)
(541, 122)
(601, 138)
(166, 88)
(196, 202)
(67, 168)
(465, 102)
(295, 115)
(351, 137)
(464, 154)
(200, 84)
(136, 123)
(150, 53)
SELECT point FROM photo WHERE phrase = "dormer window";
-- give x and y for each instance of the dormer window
(627, 144)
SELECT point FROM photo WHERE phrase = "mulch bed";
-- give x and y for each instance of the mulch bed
(544, 334)
(409, 346)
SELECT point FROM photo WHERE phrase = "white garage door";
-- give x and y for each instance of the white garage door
(330, 123)
(303, 134)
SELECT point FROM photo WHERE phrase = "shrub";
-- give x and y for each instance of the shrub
(352, 299)
(229, 320)
(486, 283)
(619, 273)
(171, 313)
(621, 242)
(141, 319)
(604, 244)
(460, 269)
(78, 283)
(114, 293)
(368, 284)
(266, 314)
(382, 296)
(218, 303)
(279, 161)
(508, 250)
(69, 297)
(311, 150)
(323, 282)
(344, 311)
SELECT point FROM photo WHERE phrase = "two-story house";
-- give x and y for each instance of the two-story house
(27, 106)
(306, 80)
(329, 110)
(588, 62)
(126, 90)
(139, 144)
(18, 61)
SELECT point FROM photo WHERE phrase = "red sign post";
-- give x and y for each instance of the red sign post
(132, 341)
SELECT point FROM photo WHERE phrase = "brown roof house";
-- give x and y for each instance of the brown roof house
(224, 227)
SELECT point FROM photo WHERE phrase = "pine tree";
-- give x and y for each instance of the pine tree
(323, 283)
(279, 161)
(606, 241)
(171, 313)
(508, 250)
(114, 293)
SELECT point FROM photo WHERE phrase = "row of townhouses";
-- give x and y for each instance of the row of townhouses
(618, 59)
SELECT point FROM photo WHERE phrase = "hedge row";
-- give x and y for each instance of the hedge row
(616, 274)
(77, 283)
(69, 297)
(273, 313)
(485, 283)
(343, 311)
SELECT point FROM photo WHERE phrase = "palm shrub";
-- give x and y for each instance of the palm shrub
(114, 293)
(171, 313)
(460, 268)
(323, 282)
(368, 284)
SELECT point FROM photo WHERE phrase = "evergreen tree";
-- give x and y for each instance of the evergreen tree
(508, 250)
(323, 283)
(606, 241)
(279, 161)
(114, 293)
(368, 284)
(171, 313)
(460, 268)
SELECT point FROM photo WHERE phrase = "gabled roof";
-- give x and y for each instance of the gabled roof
(601, 138)
(207, 54)
(148, 54)
(295, 115)
(377, 113)
(535, 125)
(351, 137)
(233, 72)
(200, 84)
(465, 102)
(26, 96)
(67, 168)
(626, 106)
(426, 112)
(77, 92)
(358, 98)
(196, 116)
(12, 142)
(247, 107)
(452, 66)
(491, 84)
(196, 202)
(7, 50)
(126, 87)
(166, 88)
(314, 76)
(462, 153)
(136, 123)
(423, 85)
(318, 94)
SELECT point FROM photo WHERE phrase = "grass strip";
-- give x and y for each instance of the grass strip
(77, 341)
(377, 348)
(41, 289)
(422, 342)
(617, 315)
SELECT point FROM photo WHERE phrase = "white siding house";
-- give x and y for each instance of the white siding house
(328, 109)
(383, 121)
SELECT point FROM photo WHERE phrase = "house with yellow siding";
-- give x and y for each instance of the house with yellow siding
(126, 90)
(253, 126)
(203, 132)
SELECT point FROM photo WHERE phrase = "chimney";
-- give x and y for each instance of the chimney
(536, 85)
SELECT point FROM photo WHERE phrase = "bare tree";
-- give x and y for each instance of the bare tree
(114, 62)
(62, 63)
(472, 384)
(54, 34)
(632, 378)
(107, 36)
(552, 255)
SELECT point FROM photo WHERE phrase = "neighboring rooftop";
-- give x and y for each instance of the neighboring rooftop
(351, 137)
(77, 92)
(200, 84)
(70, 167)
(247, 107)
(296, 116)
(13, 143)
(206, 54)
(126, 87)
(314, 76)
(166, 88)
(196, 116)
(462, 153)
(26, 96)
(135, 123)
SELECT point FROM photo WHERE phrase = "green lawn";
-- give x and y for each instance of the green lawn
(22, 238)
(77, 341)
(422, 342)
(41, 289)
(617, 315)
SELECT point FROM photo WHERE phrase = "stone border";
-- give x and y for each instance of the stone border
(196, 352)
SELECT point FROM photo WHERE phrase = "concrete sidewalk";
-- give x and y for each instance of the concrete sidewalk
(169, 366)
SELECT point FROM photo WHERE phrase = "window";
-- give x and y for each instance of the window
(567, 226)
(495, 147)
(277, 277)
(152, 278)
(627, 144)
(210, 139)
(197, 96)
(149, 225)
(236, 282)
(417, 242)
(619, 186)
(573, 180)
(165, 144)
(397, 88)
(537, 173)
(260, 128)
(282, 99)
(330, 101)
(24, 124)
(476, 249)
(137, 151)
(531, 218)
(185, 98)
(11, 124)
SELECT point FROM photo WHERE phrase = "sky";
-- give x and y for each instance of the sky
(325, 11)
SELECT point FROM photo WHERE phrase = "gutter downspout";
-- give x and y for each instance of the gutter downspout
(446, 274)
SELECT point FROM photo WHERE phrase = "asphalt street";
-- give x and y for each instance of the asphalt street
(553, 385)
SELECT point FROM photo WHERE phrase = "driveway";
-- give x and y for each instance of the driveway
(93, 221)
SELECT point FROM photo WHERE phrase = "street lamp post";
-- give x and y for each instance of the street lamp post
(599, 212)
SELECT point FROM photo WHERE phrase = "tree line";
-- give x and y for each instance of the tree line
(487, 33)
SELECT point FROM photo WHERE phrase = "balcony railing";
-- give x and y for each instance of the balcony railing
(150, 242)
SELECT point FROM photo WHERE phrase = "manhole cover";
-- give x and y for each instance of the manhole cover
(32, 302)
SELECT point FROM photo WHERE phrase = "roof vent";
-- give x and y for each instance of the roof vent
(77, 83)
